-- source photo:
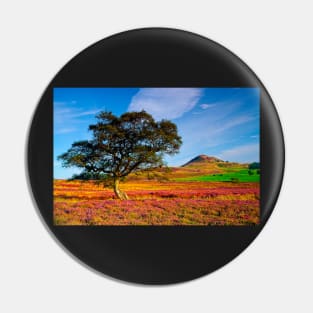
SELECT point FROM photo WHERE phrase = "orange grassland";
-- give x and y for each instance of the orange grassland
(157, 203)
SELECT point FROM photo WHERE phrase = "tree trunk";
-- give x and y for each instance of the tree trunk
(119, 193)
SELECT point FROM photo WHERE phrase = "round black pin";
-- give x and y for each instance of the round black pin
(155, 156)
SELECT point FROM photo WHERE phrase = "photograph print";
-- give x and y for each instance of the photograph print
(156, 156)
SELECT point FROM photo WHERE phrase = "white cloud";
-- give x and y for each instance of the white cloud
(169, 103)
(62, 103)
(65, 130)
(67, 119)
(86, 113)
(71, 115)
(205, 106)
(246, 153)
(234, 122)
(62, 111)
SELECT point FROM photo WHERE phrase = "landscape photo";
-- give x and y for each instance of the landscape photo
(156, 156)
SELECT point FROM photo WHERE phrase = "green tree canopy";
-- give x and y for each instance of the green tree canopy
(121, 145)
(254, 166)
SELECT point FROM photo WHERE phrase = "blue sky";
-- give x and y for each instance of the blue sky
(221, 122)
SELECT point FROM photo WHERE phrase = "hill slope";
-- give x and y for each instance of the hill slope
(202, 159)
(203, 168)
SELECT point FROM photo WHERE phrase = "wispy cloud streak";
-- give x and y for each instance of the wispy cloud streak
(168, 103)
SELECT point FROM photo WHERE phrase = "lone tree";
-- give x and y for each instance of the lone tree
(122, 145)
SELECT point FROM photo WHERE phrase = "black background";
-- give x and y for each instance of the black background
(154, 58)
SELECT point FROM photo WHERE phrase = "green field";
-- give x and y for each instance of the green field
(230, 175)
